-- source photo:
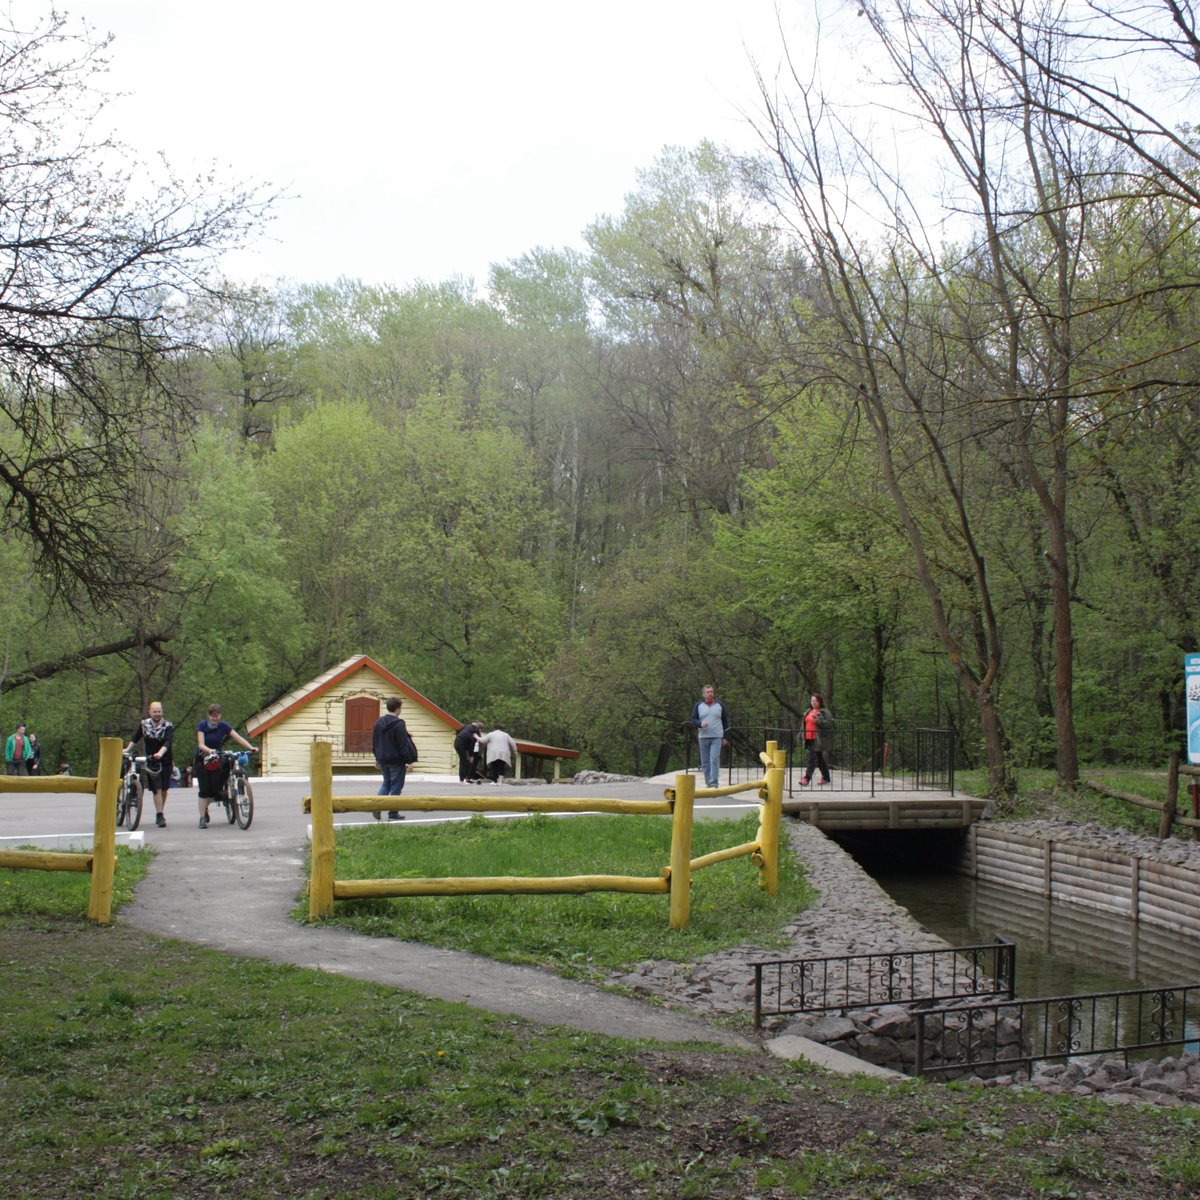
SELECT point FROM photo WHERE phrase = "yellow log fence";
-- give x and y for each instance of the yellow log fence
(675, 879)
(102, 862)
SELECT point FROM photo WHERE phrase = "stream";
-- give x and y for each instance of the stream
(1061, 948)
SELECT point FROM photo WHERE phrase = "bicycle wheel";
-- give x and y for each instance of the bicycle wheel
(133, 802)
(121, 805)
(244, 803)
(230, 803)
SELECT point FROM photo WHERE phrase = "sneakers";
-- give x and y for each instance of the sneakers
(160, 820)
(822, 783)
(805, 782)
(377, 814)
(394, 815)
(204, 821)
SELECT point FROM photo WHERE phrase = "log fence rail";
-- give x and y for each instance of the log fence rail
(674, 880)
(102, 862)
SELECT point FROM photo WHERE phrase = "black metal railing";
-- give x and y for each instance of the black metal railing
(861, 757)
(791, 987)
(1016, 1034)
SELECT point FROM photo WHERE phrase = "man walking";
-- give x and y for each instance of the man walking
(710, 719)
(17, 752)
(394, 750)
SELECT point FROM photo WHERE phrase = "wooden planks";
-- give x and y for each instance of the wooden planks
(1105, 881)
(913, 811)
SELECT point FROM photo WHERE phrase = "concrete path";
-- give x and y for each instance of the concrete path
(233, 889)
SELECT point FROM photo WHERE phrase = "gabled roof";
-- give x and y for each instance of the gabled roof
(298, 698)
(541, 750)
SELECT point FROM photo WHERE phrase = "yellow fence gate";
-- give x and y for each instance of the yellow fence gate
(102, 862)
(674, 880)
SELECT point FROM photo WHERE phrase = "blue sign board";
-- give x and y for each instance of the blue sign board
(1191, 682)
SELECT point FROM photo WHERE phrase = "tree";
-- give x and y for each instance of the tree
(250, 375)
(466, 607)
(820, 558)
(990, 339)
(242, 633)
(94, 257)
(331, 478)
(689, 282)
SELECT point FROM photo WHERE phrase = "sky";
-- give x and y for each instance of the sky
(421, 141)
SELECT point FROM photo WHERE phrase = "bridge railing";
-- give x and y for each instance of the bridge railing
(793, 987)
(1015, 1034)
(862, 757)
(102, 862)
(673, 880)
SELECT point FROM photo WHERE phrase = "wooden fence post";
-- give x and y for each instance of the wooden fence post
(320, 876)
(104, 837)
(1171, 807)
(681, 850)
(769, 822)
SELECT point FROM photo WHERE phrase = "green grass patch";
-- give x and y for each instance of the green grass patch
(137, 1066)
(65, 893)
(574, 934)
(1038, 795)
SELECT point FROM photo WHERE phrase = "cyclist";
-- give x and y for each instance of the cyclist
(157, 734)
(211, 768)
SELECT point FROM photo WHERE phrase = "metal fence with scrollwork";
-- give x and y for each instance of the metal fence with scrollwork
(791, 987)
(1017, 1034)
(862, 757)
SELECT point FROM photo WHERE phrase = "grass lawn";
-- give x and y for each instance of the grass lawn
(65, 893)
(135, 1066)
(577, 935)
(139, 1067)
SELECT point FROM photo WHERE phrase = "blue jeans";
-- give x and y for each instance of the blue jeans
(393, 778)
(710, 761)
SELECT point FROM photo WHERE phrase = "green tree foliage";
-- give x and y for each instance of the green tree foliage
(241, 631)
(689, 282)
(465, 606)
(658, 625)
(331, 479)
(821, 559)
(388, 346)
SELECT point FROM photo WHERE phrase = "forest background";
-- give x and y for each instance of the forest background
(907, 420)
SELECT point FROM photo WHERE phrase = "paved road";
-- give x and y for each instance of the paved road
(233, 889)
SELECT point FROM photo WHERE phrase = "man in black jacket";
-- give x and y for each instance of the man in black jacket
(466, 745)
(394, 750)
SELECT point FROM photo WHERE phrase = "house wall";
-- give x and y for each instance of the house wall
(286, 745)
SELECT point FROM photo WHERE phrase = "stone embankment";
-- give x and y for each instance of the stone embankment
(853, 915)
(1167, 1081)
(1173, 851)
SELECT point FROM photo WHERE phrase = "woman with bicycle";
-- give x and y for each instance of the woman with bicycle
(156, 734)
(212, 769)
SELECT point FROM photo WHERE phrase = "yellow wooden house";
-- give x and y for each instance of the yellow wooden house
(341, 707)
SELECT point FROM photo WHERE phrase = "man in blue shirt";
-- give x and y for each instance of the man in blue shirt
(711, 722)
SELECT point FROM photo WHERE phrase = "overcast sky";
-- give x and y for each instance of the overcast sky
(425, 140)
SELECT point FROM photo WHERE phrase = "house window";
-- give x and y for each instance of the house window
(361, 714)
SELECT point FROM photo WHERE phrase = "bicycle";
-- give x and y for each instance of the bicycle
(129, 798)
(238, 795)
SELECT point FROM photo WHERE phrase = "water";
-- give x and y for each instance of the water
(1062, 948)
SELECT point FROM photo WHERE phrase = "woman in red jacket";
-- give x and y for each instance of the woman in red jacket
(816, 722)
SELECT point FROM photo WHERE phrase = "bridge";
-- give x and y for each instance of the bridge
(833, 812)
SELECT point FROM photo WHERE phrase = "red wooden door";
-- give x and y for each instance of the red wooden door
(361, 714)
